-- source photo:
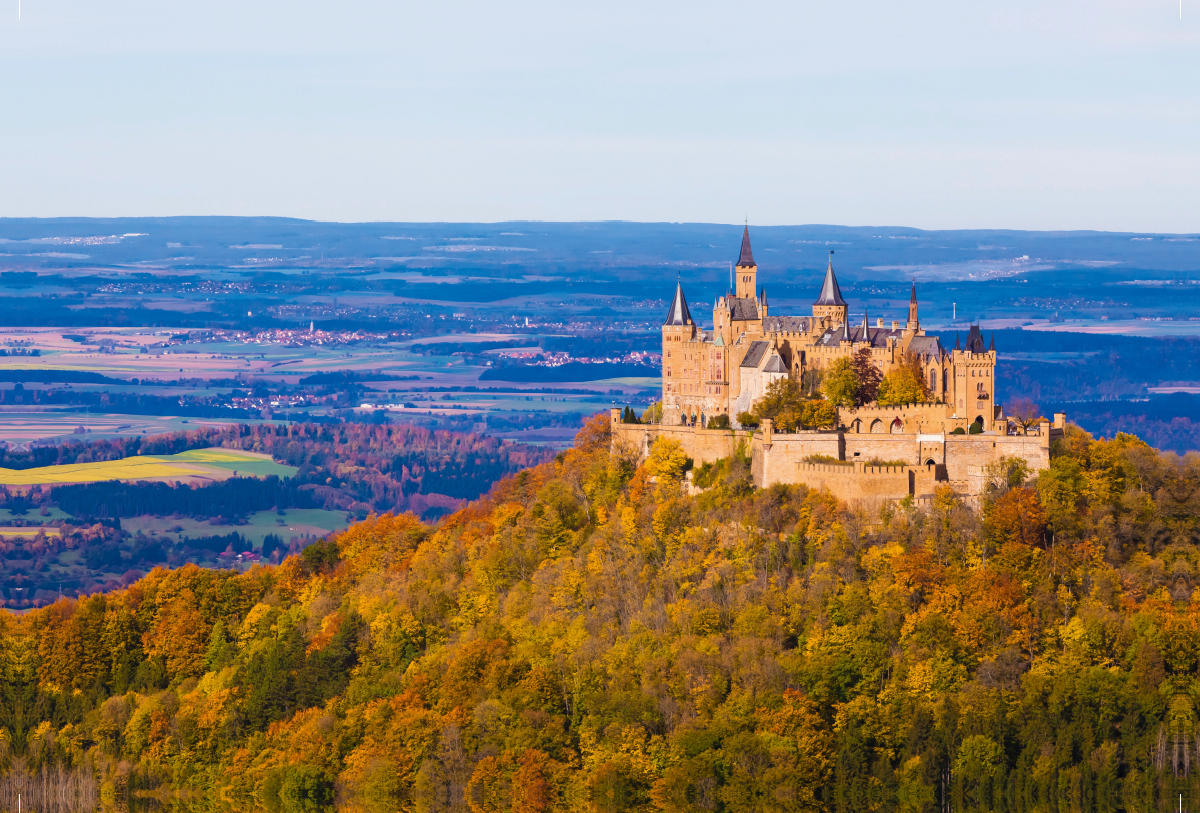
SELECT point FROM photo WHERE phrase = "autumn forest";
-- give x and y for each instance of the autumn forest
(587, 636)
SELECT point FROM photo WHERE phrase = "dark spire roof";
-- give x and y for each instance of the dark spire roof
(764, 299)
(747, 256)
(913, 299)
(975, 340)
(957, 344)
(679, 313)
(831, 294)
(866, 336)
(992, 344)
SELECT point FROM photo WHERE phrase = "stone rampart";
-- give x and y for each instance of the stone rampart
(963, 451)
(702, 445)
(858, 482)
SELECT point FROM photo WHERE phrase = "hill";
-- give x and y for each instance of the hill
(588, 637)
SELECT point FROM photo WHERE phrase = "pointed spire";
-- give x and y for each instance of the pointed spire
(831, 294)
(679, 313)
(913, 298)
(957, 345)
(866, 335)
(764, 299)
(747, 256)
(992, 343)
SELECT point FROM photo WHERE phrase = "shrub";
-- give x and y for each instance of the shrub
(827, 460)
(718, 422)
(747, 419)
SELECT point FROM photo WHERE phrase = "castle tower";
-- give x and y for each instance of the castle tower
(975, 379)
(747, 269)
(678, 328)
(913, 324)
(830, 304)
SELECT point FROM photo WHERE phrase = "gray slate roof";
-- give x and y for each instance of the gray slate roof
(747, 256)
(831, 294)
(742, 310)
(679, 313)
(775, 365)
(925, 346)
(755, 354)
(785, 324)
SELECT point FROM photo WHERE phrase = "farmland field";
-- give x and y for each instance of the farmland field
(193, 466)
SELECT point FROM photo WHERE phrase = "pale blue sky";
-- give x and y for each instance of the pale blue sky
(1047, 115)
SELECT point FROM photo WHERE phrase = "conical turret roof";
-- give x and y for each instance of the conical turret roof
(831, 294)
(747, 256)
(913, 299)
(679, 313)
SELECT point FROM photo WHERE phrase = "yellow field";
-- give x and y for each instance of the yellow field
(214, 463)
(29, 531)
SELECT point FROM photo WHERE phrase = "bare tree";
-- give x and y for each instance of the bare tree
(1023, 411)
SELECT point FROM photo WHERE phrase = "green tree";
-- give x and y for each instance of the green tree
(841, 385)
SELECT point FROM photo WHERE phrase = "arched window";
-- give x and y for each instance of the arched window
(897, 426)
(933, 380)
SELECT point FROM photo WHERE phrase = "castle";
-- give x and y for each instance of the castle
(954, 436)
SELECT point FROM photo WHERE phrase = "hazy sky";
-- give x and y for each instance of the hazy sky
(1032, 115)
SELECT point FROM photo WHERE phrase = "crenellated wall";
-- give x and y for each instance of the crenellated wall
(924, 460)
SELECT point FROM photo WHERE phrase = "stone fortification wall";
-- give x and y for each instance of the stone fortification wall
(904, 447)
(960, 461)
(963, 451)
(702, 445)
(775, 457)
(858, 482)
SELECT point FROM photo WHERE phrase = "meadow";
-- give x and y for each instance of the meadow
(192, 466)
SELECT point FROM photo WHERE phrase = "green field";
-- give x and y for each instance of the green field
(199, 463)
(315, 522)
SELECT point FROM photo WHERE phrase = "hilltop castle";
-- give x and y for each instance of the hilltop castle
(952, 437)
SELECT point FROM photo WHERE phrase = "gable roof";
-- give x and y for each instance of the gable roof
(755, 354)
(774, 365)
(679, 313)
(831, 294)
(746, 258)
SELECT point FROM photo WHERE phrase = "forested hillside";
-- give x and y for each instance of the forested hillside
(588, 638)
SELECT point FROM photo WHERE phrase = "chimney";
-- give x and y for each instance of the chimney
(895, 325)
